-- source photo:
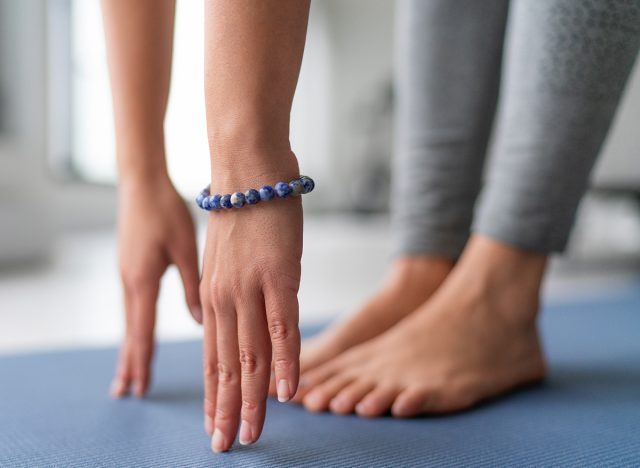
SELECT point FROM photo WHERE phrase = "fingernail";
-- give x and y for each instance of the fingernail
(196, 311)
(208, 425)
(246, 435)
(217, 441)
(283, 390)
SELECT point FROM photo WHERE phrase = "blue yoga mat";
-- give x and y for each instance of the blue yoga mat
(54, 411)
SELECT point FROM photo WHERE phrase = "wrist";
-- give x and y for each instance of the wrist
(144, 179)
(239, 170)
(250, 149)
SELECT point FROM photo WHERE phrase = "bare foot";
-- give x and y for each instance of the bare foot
(476, 338)
(410, 282)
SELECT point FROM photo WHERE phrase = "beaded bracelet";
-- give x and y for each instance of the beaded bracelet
(296, 187)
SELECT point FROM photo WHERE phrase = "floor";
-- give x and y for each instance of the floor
(74, 299)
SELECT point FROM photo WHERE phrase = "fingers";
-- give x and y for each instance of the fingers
(186, 259)
(137, 350)
(228, 401)
(255, 365)
(122, 379)
(282, 317)
(210, 359)
(143, 305)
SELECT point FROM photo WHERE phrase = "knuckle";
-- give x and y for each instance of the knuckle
(278, 329)
(249, 406)
(248, 361)
(226, 375)
(223, 416)
(281, 364)
(210, 369)
(279, 278)
(136, 279)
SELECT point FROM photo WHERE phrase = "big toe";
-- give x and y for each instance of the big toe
(411, 402)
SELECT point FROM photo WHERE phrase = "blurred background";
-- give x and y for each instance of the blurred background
(58, 274)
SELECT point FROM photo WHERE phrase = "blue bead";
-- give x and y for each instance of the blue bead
(296, 187)
(237, 200)
(205, 204)
(214, 202)
(282, 189)
(266, 193)
(308, 184)
(200, 198)
(252, 196)
(225, 201)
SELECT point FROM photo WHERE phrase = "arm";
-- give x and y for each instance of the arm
(154, 224)
(251, 270)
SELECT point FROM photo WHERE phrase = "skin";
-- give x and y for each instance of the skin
(155, 228)
(475, 338)
(411, 280)
(251, 270)
(249, 307)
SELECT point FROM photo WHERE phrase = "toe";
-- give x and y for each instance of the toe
(377, 401)
(411, 402)
(347, 398)
(318, 399)
(310, 380)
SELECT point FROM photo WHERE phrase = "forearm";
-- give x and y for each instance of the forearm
(253, 52)
(139, 38)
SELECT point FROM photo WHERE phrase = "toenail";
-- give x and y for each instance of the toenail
(313, 399)
(338, 403)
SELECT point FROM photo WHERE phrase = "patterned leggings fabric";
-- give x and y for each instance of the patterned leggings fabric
(552, 70)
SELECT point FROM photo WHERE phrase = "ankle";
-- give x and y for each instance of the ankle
(498, 264)
(418, 269)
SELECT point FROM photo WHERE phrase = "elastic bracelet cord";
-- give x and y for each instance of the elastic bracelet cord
(294, 188)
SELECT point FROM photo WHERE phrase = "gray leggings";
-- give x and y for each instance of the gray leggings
(566, 64)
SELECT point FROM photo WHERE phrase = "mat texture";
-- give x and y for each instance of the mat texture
(54, 411)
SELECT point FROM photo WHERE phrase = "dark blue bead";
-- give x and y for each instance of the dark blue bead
(282, 189)
(225, 201)
(252, 196)
(266, 193)
(214, 202)
(205, 204)
(308, 184)
(200, 198)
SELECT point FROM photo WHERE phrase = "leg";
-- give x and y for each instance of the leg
(449, 56)
(561, 92)
(476, 337)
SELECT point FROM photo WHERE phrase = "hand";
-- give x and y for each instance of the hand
(155, 231)
(250, 281)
